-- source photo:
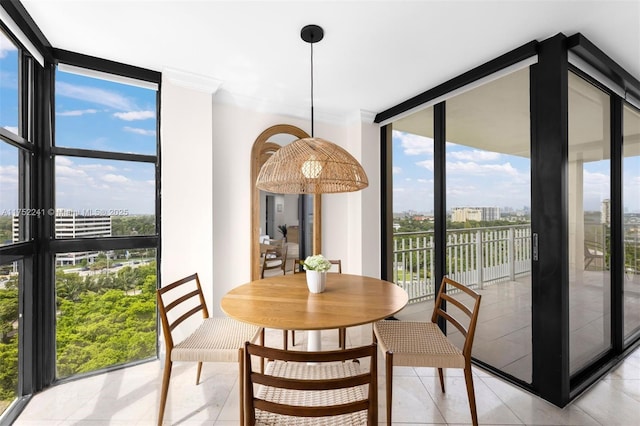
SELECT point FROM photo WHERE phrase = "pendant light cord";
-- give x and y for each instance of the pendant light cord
(311, 88)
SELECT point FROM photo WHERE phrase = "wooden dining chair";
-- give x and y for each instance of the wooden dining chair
(423, 344)
(274, 260)
(215, 339)
(336, 387)
(342, 332)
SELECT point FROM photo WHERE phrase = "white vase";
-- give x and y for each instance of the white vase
(316, 281)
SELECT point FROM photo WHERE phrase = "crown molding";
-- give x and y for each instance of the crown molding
(191, 81)
(226, 97)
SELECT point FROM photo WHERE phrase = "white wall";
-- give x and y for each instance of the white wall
(206, 171)
(187, 186)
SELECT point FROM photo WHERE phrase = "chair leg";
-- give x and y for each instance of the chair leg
(166, 377)
(389, 380)
(441, 375)
(198, 374)
(342, 338)
(293, 337)
(285, 337)
(241, 383)
(468, 378)
(262, 344)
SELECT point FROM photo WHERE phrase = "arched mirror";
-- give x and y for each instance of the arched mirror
(274, 216)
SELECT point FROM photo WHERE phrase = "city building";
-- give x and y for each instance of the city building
(464, 214)
(74, 224)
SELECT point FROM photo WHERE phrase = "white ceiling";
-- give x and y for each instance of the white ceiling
(375, 54)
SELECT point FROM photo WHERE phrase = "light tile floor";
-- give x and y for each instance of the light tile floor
(130, 396)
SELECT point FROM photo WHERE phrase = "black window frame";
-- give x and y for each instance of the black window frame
(37, 348)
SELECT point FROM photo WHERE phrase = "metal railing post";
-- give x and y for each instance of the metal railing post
(479, 259)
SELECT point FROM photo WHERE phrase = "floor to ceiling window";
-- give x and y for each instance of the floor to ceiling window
(15, 152)
(105, 186)
(589, 173)
(488, 223)
(488, 192)
(79, 229)
(413, 214)
(536, 171)
(631, 210)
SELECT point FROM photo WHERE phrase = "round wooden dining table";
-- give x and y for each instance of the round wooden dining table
(284, 302)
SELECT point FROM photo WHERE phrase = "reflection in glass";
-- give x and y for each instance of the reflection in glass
(488, 199)
(106, 309)
(589, 223)
(101, 198)
(631, 209)
(104, 115)
(9, 334)
(9, 85)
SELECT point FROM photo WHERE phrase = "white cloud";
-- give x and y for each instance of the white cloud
(135, 115)
(396, 170)
(63, 161)
(427, 164)
(111, 178)
(474, 155)
(6, 46)
(94, 184)
(98, 167)
(76, 112)
(9, 175)
(138, 131)
(470, 167)
(94, 95)
(415, 144)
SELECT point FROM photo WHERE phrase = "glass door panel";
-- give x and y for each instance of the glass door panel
(488, 199)
(413, 214)
(631, 209)
(9, 333)
(589, 210)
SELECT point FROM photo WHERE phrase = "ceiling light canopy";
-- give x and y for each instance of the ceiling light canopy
(311, 165)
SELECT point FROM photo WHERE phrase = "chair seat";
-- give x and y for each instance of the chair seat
(215, 340)
(323, 371)
(418, 344)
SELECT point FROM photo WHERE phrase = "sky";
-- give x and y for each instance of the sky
(108, 116)
(477, 178)
(94, 114)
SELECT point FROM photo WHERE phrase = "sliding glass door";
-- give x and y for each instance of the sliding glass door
(589, 207)
(631, 210)
(488, 201)
(413, 211)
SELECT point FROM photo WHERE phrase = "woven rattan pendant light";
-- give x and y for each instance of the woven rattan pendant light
(311, 165)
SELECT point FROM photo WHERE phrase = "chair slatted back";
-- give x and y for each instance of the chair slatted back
(338, 265)
(186, 296)
(443, 297)
(310, 359)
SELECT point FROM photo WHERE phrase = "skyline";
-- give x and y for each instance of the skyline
(490, 179)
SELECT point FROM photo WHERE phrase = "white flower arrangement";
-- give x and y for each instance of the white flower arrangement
(316, 263)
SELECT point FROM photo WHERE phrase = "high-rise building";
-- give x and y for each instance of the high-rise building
(464, 214)
(74, 224)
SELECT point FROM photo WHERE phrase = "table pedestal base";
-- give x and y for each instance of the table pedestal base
(314, 341)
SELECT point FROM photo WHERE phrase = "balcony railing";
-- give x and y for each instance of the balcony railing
(475, 257)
